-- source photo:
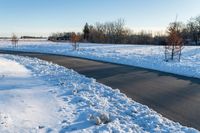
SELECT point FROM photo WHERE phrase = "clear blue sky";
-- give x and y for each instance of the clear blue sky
(42, 17)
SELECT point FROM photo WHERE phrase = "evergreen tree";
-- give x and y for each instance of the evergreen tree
(86, 32)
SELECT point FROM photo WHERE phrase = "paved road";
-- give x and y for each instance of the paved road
(175, 97)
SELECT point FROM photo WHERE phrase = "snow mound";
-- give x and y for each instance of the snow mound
(12, 69)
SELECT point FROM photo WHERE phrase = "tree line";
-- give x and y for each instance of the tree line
(116, 32)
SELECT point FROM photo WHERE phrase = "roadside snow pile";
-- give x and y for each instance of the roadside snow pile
(83, 105)
(145, 56)
(25, 103)
(12, 69)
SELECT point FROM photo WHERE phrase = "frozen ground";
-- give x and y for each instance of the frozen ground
(136, 55)
(36, 96)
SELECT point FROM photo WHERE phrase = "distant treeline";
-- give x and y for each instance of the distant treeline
(32, 37)
(65, 36)
(1, 38)
(25, 37)
(117, 33)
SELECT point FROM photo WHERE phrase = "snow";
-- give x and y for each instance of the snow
(51, 98)
(146, 56)
(25, 103)
(14, 70)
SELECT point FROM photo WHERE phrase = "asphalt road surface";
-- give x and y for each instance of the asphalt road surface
(175, 97)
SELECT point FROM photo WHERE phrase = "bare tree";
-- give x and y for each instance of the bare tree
(14, 40)
(74, 39)
(174, 42)
(192, 31)
(119, 30)
(198, 28)
(100, 32)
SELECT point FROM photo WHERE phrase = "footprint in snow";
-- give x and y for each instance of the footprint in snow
(41, 127)
(4, 120)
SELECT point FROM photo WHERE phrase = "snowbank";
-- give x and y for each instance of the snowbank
(79, 104)
(25, 101)
(151, 57)
(12, 69)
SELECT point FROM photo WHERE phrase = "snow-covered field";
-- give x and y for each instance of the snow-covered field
(151, 57)
(36, 96)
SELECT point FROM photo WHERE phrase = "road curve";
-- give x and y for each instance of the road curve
(175, 97)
